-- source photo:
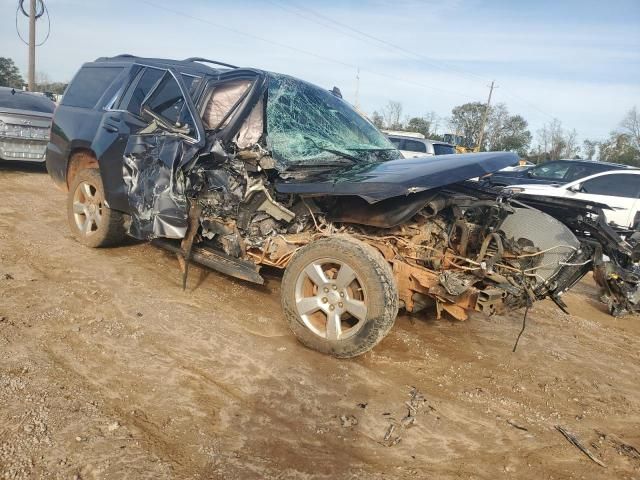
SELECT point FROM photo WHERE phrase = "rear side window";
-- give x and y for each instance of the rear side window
(139, 89)
(440, 149)
(89, 85)
(618, 185)
(413, 146)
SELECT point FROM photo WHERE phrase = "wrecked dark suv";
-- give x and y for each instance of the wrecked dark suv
(238, 168)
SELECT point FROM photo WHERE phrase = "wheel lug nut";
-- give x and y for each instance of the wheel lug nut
(324, 300)
(340, 305)
(326, 290)
(335, 287)
(332, 307)
(341, 294)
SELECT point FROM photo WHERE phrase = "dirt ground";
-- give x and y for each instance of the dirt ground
(108, 370)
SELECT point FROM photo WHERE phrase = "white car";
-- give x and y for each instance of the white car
(618, 189)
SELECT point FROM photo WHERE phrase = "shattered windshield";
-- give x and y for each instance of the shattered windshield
(309, 126)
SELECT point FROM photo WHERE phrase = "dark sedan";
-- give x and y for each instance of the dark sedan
(25, 121)
(553, 172)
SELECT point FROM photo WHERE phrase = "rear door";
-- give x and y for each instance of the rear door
(620, 191)
(154, 157)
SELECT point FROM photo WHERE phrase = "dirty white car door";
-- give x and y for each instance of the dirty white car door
(618, 190)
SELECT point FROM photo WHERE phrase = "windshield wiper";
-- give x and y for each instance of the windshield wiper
(371, 149)
(331, 150)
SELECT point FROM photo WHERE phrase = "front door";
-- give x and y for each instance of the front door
(153, 157)
(619, 191)
(119, 122)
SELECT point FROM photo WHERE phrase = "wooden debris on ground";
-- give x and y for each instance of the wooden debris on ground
(576, 443)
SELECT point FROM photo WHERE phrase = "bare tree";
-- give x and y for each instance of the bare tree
(391, 114)
(377, 119)
(589, 148)
(631, 126)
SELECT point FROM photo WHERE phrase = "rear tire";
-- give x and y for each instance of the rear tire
(339, 296)
(92, 223)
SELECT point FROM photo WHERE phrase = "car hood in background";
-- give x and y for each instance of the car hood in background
(375, 182)
(537, 189)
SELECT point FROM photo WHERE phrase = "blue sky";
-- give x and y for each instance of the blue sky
(578, 61)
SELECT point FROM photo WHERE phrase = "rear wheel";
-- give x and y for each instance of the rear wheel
(339, 296)
(92, 223)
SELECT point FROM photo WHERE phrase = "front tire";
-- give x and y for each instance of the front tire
(339, 296)
(92, 223)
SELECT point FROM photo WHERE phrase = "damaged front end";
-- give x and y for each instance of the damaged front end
(263, 165)
(614, 259)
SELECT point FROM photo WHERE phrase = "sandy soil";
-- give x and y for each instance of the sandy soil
(109, 370)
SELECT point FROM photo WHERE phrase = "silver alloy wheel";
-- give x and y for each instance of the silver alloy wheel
(87, 208)
(331, 299)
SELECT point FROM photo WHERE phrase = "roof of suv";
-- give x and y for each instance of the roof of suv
(195, 65)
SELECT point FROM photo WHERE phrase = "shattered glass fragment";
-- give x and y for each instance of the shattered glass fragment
(309, 126)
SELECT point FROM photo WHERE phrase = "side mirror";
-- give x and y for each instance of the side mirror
(529, 173)
(575, 188)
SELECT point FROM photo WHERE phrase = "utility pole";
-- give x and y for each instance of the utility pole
(484, 116)
(32, 45)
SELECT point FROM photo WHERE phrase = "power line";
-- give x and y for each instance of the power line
(349, 30)
(304, 52)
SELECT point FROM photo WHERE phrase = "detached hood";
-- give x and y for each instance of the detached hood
(375, 182)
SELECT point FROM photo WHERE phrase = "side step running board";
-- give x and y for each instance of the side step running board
(215, 260)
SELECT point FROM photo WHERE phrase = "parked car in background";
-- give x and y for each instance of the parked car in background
(556, 172)
(618, 189)
(413, 145)
(25, 121)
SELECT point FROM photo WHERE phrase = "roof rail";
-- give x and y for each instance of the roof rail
(200, 59)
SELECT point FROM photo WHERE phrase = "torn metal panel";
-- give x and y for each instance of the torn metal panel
(156, 193)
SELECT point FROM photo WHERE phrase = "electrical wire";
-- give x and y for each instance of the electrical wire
(349, 30)
(302, 51)
(43, 11)
(524, 325)
(353, 32)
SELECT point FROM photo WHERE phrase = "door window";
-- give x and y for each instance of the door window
(441, 149)
(578, 171)
(395, 141)
(139, 89)
(553, 171)
(168, 102)
(617, 185)
(414, 146)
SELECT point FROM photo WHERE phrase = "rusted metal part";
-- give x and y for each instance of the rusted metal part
(184, 256)
(411, 279)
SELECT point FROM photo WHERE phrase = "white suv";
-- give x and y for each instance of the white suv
(413, 145)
